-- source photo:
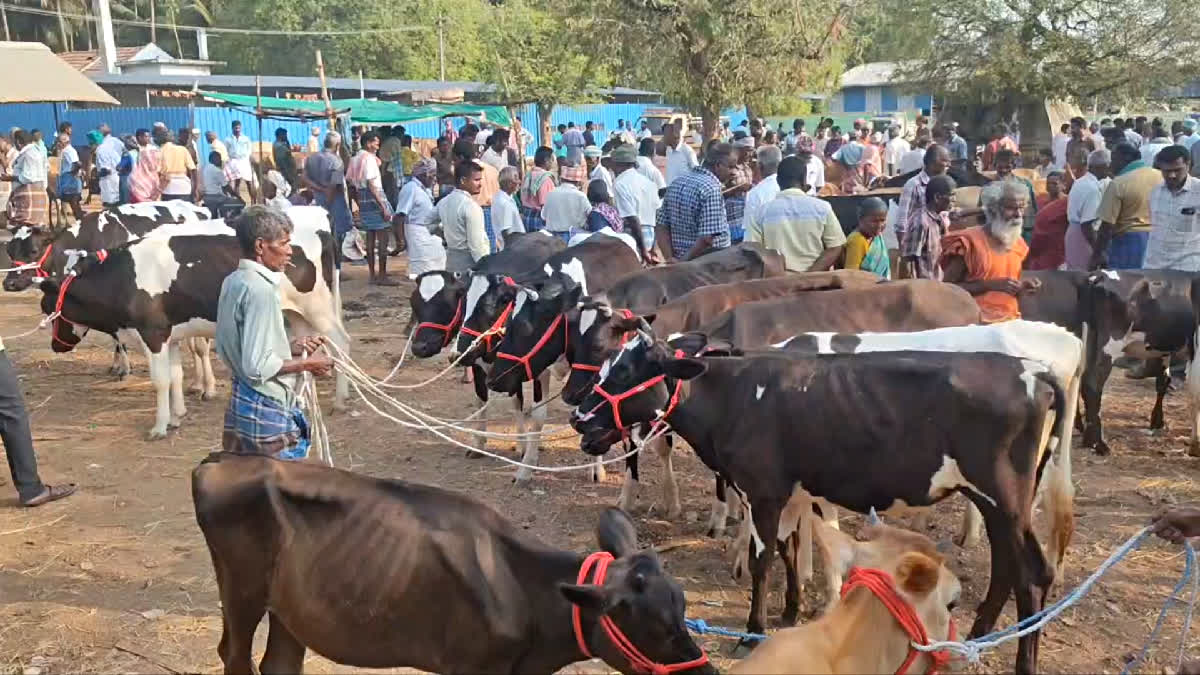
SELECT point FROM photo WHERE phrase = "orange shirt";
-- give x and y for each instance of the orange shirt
(983, 263)
(489, 186)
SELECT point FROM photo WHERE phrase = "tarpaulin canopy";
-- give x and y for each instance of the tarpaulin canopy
(363, 111)
(33, 74)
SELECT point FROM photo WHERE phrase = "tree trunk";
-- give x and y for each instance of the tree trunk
(712, 122)
(545, 131)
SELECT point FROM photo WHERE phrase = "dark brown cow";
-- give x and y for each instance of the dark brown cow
(378, 573)
(655, 286)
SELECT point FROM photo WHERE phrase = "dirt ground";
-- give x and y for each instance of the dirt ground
(118, 579)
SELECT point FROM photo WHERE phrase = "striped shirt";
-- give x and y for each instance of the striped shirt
(798, 226)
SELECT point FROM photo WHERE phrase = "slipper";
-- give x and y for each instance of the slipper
(50, 494)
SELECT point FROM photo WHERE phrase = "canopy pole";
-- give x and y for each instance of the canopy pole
(362, 91)
(259, 114)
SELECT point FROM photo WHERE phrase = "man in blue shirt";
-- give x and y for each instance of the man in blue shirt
(956, 146)
(692, 218)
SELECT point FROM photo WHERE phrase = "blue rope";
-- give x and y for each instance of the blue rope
(701, 627)
(1188, 569)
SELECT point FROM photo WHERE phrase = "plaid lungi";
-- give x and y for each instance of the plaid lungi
(1127, 250)
(487, 227)
(28, 204)
(735, 210)
(256, 424)
(532, 219)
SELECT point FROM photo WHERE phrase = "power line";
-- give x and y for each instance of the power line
(216, 29)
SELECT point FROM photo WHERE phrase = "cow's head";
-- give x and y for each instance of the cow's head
(598, 334)
(437, 306)
(641, 600)
(1143, 317)
(489, 303)
(63, 336)
(26, 246)
(635, 385)
(537, 332)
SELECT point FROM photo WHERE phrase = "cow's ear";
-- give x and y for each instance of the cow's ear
(571, 297)
(587, 596)
(616, 533)
(917, 573)
(685, 368)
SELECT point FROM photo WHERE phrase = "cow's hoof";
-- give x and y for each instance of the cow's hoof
(523, 477)
(208, 395)
(790, 616)
(175, 422)
(156, 434)
(674, 511)
(744, 647)
(1102, 449)
(966, 539)
(473, 454)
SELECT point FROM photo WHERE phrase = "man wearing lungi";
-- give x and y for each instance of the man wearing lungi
(263, 416)
(28, 203)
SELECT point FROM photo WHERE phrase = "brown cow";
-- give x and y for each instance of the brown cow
(378, 573)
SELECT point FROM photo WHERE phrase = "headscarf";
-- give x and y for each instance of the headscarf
(805, 144)
(95, 137)
(425, 167)
(849, 154)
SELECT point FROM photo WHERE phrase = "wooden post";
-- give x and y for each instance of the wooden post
(258, 113)
(343, 150)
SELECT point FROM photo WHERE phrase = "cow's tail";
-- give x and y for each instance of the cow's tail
(1060, 491)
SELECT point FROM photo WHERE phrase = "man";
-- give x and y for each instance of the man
(914, 159)
(1083, 203)
(636, 199)
(416, 217)
(1046, 248)
(177, 171)
(766, 190)
(535, 187)
(647, 167)
(325, 175)
(389, 158)
(1094, 133)
(894, 151)
(506, 217)
(70, 186)
(1174, 242)
(1059, 146)
(741, 179)
(1188, 136)
(281, 152)
(489, 184)
(791, 144)
(40, 144)
(496, 152)
(217, 192)
(444, 156)
(263, 416)
(692, 217)
(1000, 141)
(7, 154)
(912, 197)
(644, 132)
(589, 133)
(574, 143)
(1132, 133)
(803, 229)
(986, 260)
(108, 156)
(462, 218)
(313, 144)
(408, 160)
(593, 160)
(567, 207)
(238, 168)
(1080, 141)
(28, 203)
(1159, 140)
(1005, 162)
(921, 246)
(681, 159)
(216, 145)
(1124, 214)
(481, 136)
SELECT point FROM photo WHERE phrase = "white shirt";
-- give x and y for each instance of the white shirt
(416, 203)
(1174, 242)
(1149, 150)
(758, 197)
(482, 137)
(815, 174)
(462, 224)
(1083, 202)
(894, 151)
(495, 159)
(644, 133)
(505, 215)
(646, 167)
(566, 208)
(1133, 137)
(1060, 150)
(108, 156)
(680, 160)
(912, 160)
(601, 173)
(635, 196)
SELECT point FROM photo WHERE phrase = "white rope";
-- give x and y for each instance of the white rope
(317, 428)
(403, 354)
(349, 363)
(22, 268)
(41, 324)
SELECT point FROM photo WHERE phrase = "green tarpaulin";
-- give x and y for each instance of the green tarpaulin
(364, 111)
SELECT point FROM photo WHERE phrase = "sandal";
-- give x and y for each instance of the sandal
(52, 493)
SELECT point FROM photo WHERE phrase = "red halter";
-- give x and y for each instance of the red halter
(880, 583)
(496, 329)
(615, 399)
(41, 263)
(589, 368)
(448, 328)
(637, 660)
(524, 360)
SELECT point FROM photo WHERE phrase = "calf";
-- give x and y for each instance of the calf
(864, 633)
(97, 230)
(164, 288)
(351, 567)
(876, 430)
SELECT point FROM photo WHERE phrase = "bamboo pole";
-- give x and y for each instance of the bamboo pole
(259, 114)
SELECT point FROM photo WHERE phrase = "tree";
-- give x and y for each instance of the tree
(711, 54)
(532, 58)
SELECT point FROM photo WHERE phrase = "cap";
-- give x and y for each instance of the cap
(591, 151)
(624, 154)
(744, 142)
(573, 174)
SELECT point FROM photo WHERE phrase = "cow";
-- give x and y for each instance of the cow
(164, 288)
(845, 207)
(351, 566)
(97, 230)
(863, 431)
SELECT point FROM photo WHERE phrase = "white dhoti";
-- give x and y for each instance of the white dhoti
(426, 252)
(238, 168)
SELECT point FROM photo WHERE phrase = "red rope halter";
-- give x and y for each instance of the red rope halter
(637, 660)
(447, 328)
(41, 263)
(101, 255)
(589, 368)
(614, 400)
(880, 583)
(524, 360)
(496, 329)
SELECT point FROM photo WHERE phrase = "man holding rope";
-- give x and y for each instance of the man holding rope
(263, 416)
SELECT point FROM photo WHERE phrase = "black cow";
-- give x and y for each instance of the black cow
(381, 573)
(928, 424)
(845, 207)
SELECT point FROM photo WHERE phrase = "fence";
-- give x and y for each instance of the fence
(45, 116)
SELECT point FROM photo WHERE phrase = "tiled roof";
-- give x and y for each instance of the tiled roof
(90, 61)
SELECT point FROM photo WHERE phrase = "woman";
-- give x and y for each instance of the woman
(416, 214)
(374, 212)
(865, 248)
(603, 213)
(28, 203)
(129, 160)
(144, 182)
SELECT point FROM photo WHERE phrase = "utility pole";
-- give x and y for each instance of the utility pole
(153, 27)
(441, 21)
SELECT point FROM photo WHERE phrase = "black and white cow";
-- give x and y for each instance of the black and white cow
(874, 430)
(108, 228)
(164, 288)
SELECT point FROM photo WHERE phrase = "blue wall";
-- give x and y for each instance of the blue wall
(854, 99)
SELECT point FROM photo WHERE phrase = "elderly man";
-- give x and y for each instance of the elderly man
(1004, 163)
(325, 175)
(263, 416)
(567, 207)
(462, 218)
(28, 203)
(417, 216)
(769, 157)
(593, 162)
(535, 187)
(506, 217)
(636, 199)
(986, 260)
(1083, 203)
(238, 167)
(1174, 242)
(108, 156)
(1120, 241)
(681, 159)
(692, 218)
(802, 228)
(215, 145)
(912, 197)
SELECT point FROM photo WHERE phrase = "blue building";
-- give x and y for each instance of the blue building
(872, 88)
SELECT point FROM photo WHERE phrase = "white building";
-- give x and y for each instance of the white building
(873, 88)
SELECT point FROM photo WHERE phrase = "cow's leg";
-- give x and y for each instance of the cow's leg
(478, 380)
(764, 517)
(630, 484)
(520, 420)
(670, 486)
(1092, 389)
(1033, 579)
(1000, 583)
(788, 550)
(1162, 383)
(833, 577)
(160, 376)
(795, 545)
(120, 366)
(205, 384)
(533, 444)
(178, 405)
(720, 510)
(285, 654)
(241, 610)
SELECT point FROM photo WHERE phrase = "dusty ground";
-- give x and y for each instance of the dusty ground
(117, 579)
